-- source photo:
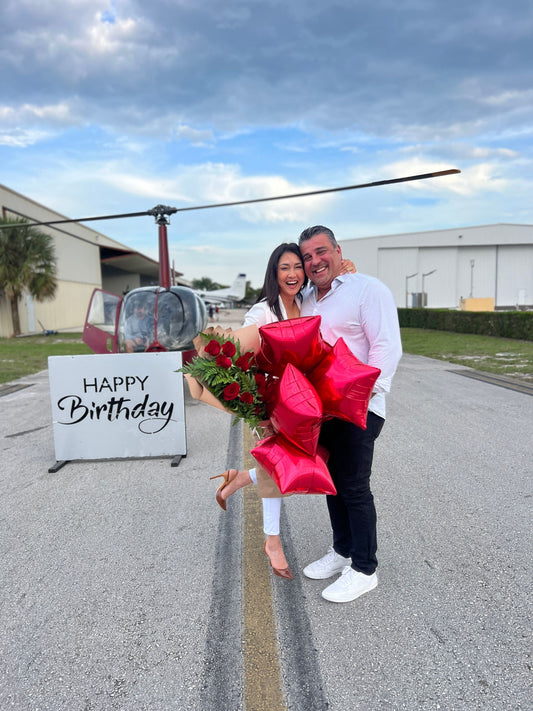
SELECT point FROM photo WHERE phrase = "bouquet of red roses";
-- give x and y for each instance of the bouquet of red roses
(231, 376)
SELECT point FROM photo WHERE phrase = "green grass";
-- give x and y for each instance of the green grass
(28, 355)
(504, 356)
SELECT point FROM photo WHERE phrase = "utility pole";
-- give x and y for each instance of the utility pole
(407, 289)
(423, 277)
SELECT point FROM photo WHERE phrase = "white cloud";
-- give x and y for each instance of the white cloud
(30, 113)
(193, 186)
(505, 98)
(153, 187)
(22, 138)
(107, 37)
(472, 179)
(483, 152)
(195, 136)
(218, 183)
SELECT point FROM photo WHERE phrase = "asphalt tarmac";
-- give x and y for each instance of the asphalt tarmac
(124, 586)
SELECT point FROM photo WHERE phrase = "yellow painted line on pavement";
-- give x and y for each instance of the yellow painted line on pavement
(262, 674)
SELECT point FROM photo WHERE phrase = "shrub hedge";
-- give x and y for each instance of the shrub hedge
(505, 324)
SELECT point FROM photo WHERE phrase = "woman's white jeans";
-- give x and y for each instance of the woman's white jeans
(271, 511)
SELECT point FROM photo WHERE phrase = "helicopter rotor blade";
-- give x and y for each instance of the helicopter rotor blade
(81, 219)
(376, 183)
(160, 209)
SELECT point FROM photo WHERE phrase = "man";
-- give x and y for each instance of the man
(139, 327)
(361, 310)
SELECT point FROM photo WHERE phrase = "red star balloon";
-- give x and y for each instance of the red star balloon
(297, 412)
(293, 471)
(296, 341)
(344, 384)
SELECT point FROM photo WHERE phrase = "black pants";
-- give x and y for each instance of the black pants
(352, 511)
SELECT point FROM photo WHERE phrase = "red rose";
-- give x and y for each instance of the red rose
(247, 398)
(270, 390)
(229, 349)
(231, 391)
(243, 362)
(223, 362)
(261, 383)
(213, 348)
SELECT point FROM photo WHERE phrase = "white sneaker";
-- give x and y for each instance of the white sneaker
(327, 566)
(350, 585)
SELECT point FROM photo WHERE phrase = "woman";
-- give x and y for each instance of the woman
(280, 299)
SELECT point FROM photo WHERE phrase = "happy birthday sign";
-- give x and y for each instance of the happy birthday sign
(117, 405)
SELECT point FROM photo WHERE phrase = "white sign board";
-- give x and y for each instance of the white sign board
(117, 405)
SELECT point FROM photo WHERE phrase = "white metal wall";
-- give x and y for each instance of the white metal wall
(515, 275)
(393, 267)
(501, 270)
(478, 281)
(441, 286)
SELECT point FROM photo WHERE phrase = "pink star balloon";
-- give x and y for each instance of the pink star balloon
(296, 341)
(297, 412)
(344, 384)
(293, 471)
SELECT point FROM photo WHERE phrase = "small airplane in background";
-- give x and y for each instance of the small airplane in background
(235, 292)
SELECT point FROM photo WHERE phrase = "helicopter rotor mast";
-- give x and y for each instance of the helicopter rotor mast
(161, 214)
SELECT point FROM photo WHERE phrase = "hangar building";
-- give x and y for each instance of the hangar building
(489, 266)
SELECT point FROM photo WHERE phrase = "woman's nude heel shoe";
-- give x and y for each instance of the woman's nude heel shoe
(226, 476)
(282, 572)
(229, 476)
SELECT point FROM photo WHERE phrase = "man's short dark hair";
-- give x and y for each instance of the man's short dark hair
(317, 230)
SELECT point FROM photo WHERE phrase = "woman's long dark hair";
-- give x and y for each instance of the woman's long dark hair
(270, 290)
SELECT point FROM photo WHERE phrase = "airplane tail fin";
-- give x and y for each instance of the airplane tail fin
(238, 288)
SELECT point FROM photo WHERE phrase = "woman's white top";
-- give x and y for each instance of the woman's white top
(261, 314)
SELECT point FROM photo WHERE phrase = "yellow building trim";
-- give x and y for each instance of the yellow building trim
(479, 304)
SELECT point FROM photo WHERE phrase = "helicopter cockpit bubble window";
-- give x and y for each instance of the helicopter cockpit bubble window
(136, 330)
(182, 315)
(171, 318)
(103, 310)
(169, 313)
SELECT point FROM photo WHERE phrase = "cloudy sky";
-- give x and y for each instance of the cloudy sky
(116, 106)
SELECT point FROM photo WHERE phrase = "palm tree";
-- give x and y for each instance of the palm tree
(27, 263)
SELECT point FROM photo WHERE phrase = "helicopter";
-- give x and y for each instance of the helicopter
(175, 314)
(150, 318)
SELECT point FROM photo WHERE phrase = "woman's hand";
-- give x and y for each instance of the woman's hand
(200, 342)
(347, 267)
(267, 428)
